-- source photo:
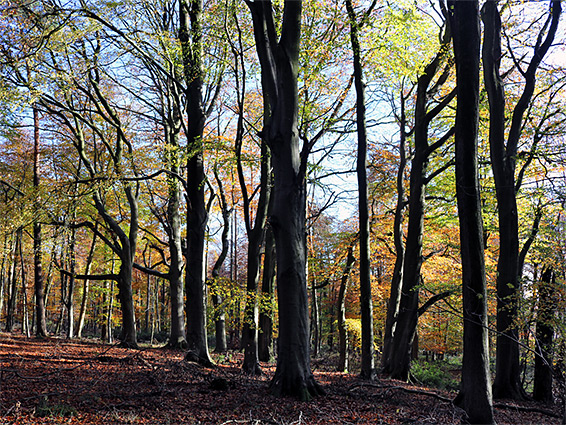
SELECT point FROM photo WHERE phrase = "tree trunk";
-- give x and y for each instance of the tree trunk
(69, 302)
(256, 236)
(507, 383)
(342, 329)
(41, 326)
(265, 339)
(406, 326)
(315, 318)
(542, 390)
(172, 128)
(190, 36)
(86, 286)
(475, 392)
(219, 313)
(12, 283)
(397, 279)
(3, 273)
(366, 303)
(25, 313)
(250, 328)
(177, 336)
(279, 58)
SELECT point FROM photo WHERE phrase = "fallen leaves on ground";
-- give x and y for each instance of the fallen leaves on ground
(56, 381)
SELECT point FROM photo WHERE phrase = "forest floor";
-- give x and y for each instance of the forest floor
(83, 382)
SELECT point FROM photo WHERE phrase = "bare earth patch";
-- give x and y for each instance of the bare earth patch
(81, 382)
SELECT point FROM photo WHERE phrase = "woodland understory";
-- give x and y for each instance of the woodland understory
(54, 381)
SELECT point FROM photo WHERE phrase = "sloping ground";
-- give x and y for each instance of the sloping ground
(58, 381)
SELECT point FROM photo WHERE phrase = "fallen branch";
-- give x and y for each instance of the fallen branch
(409, 390)
(527, 409)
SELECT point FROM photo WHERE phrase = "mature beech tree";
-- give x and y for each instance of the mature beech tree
(475, 392)
(398, 363)
(366, 305)
(503, 153)
(278, 52)
(190, 36)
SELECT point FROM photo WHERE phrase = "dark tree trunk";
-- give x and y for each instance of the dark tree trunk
(177, 336)
(41, 326)
(250, 327)
(315, 318)
(86, 284)
(406, 326)
(542, 390)
(25, 312)
(255, 231)
(190, 36)
(366, 303)
(12, 283)
(279, 58)
(69, 302)
(126, 252)
(265, 341)
(475, 392)
(397, 279)
(219, 313)
(507, 383)
(128, 335)
(256, 236)
(342, 329)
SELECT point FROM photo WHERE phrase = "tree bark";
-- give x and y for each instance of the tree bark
(190, 36)
(219, 313)
(507, 383)
(86, 285)
(279, 59)
(366, 303)
(475, 393)
(395, 291)
(12, 283)
(177, 335)
(406, 326)
(542, 390)
(342, 329)
(265, 339)
(41, 325)
(69, 302)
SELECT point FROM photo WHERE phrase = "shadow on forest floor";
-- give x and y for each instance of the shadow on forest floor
(83, 382)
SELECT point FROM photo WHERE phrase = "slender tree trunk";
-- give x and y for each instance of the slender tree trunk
(397, 279)
(366, 303)
(475, 393)
(256, 236)
(342, 329)
(41, 327)
(12, 284)
(315, 318)
(3, 274)
(219, 313)
(542, 390)
(86, 286)
(172, 128)
(69, 302)
(265, 339)
(25, 313)
(251, 312)
(177, 337)
(406, 326)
